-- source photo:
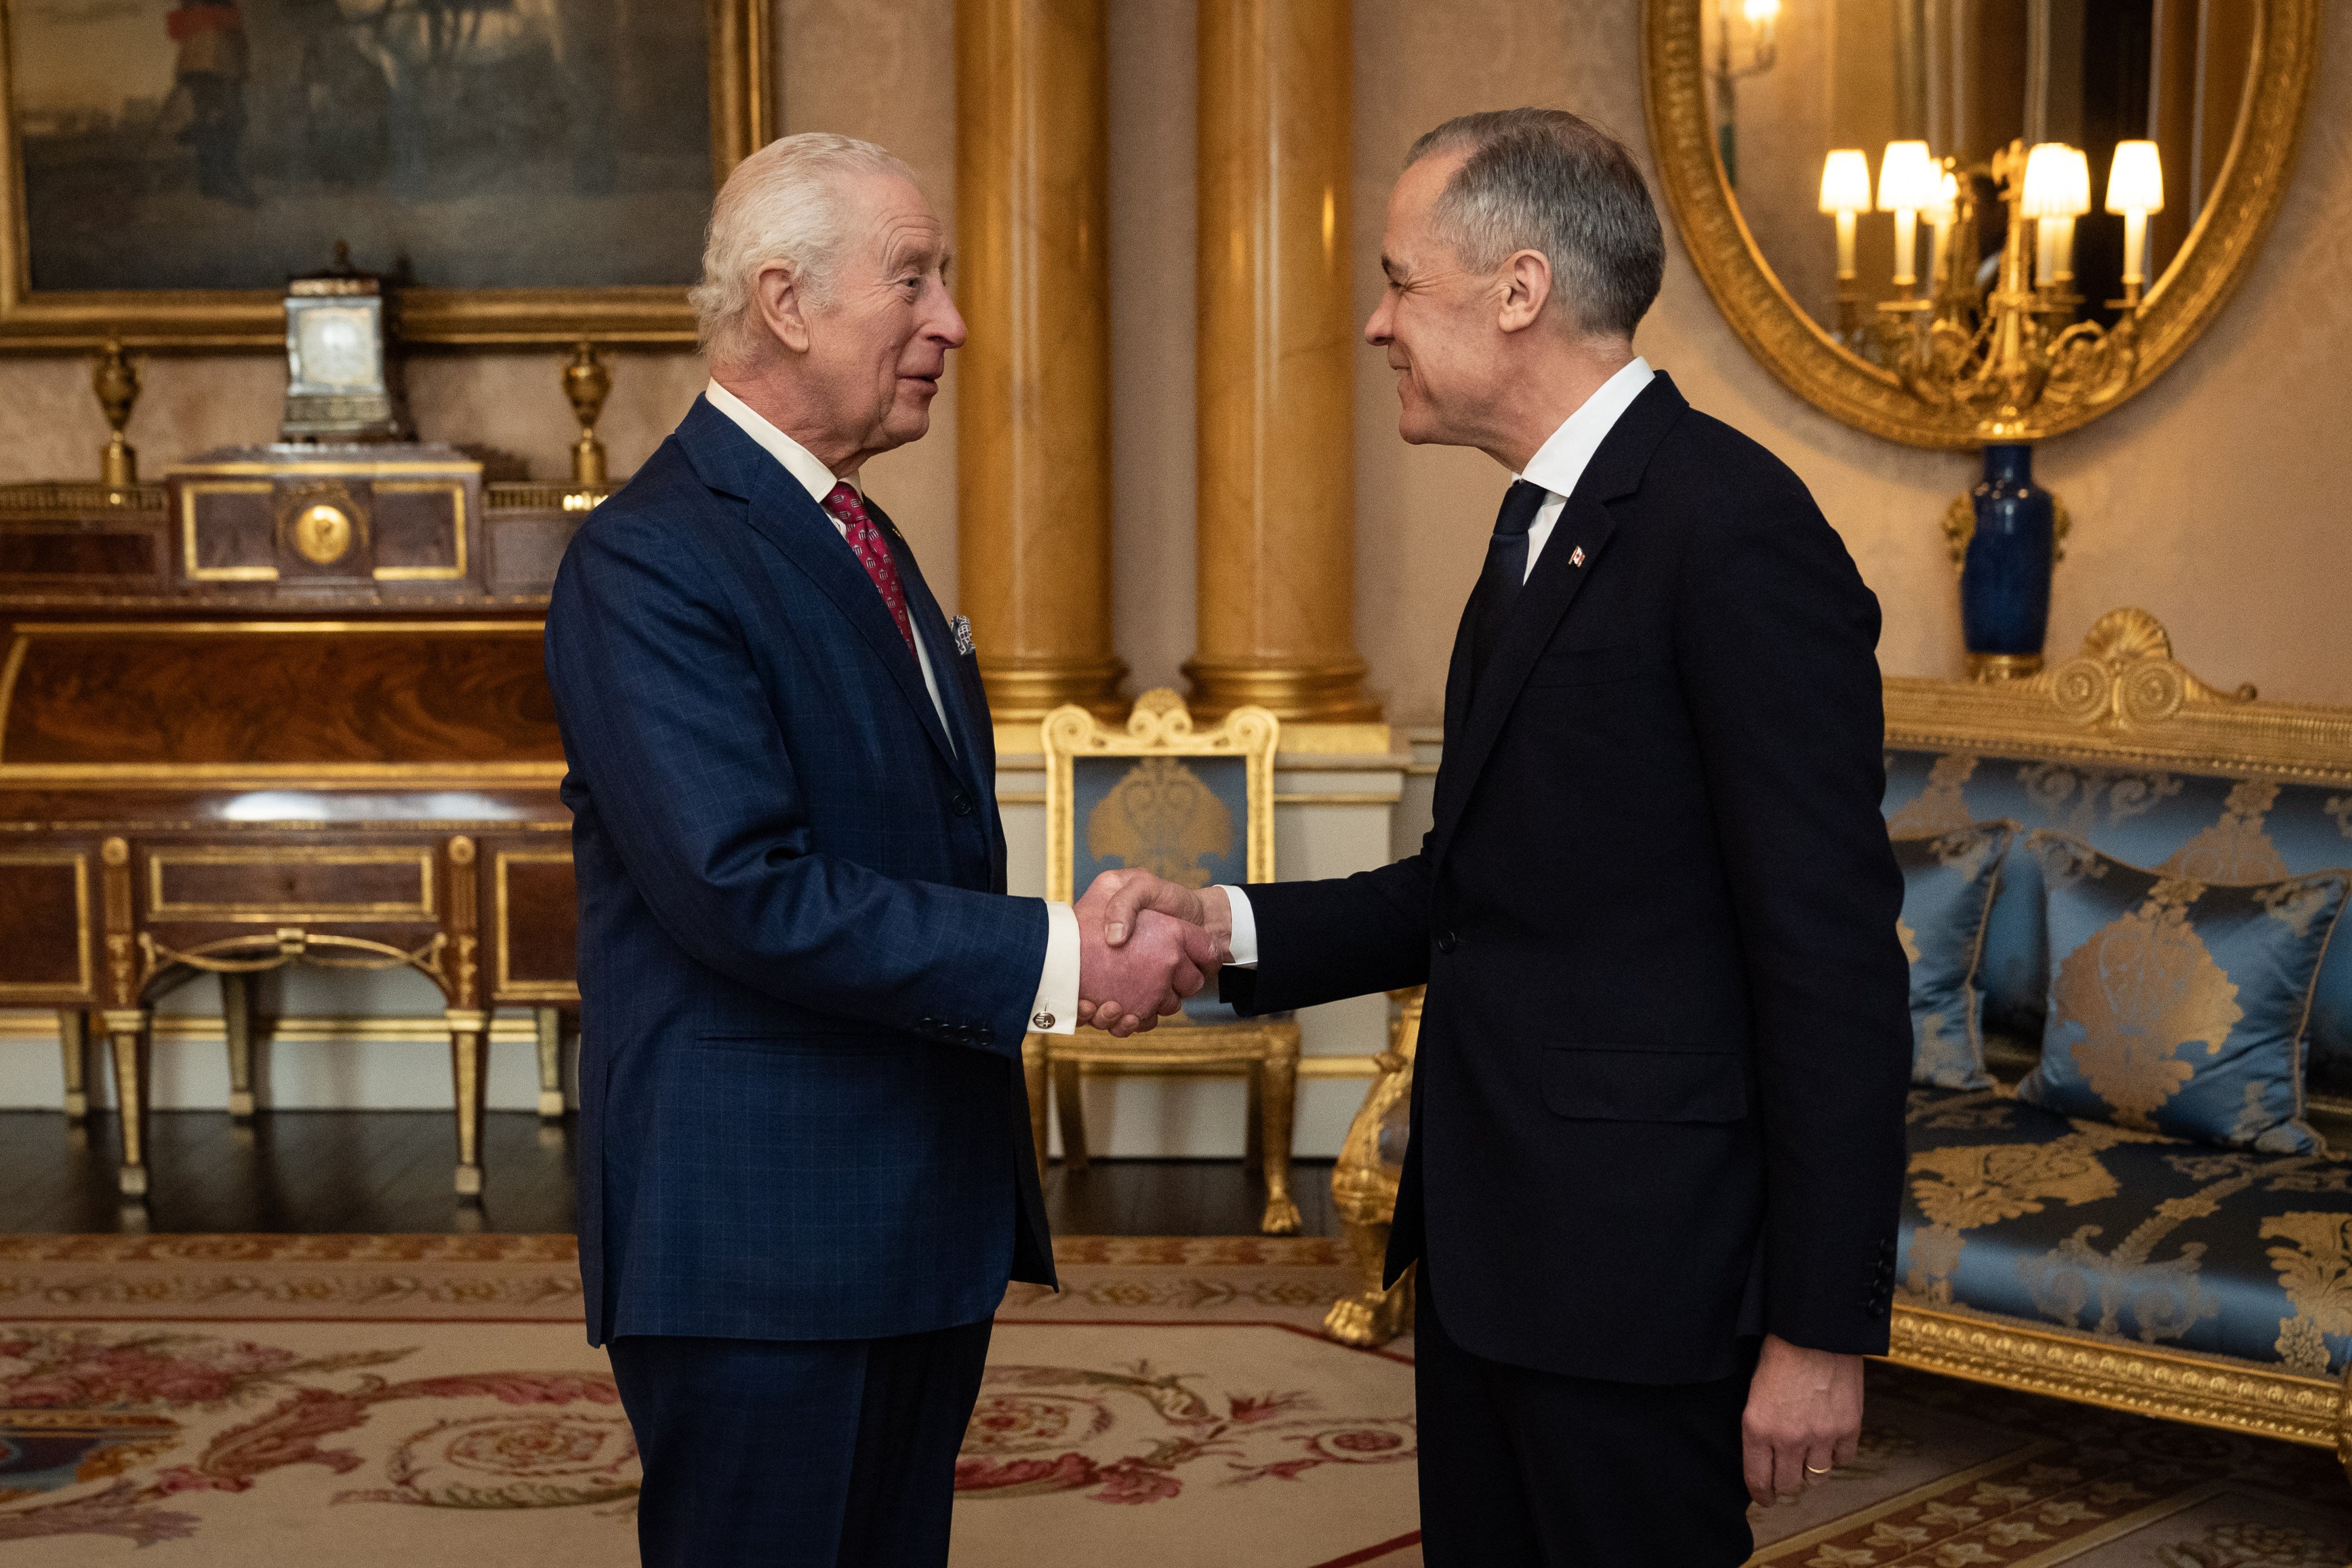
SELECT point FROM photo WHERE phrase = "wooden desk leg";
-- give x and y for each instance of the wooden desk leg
(467, 1030)
(1032, 1080)
(126, 1029)
(73, 1041)
(551, 1033)
(1073, 1111)
(236, 1025)
(1281, 1093)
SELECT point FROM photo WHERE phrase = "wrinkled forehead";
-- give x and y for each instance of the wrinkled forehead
(898, 227)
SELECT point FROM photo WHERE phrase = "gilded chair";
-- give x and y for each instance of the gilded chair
(1364, 1183)
(1196, 807)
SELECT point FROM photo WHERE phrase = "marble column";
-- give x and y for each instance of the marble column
(1033, 424)
(1276, 339)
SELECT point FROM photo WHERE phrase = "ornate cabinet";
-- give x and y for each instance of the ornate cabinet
(292, 712)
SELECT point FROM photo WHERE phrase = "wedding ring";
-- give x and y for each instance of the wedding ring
(1811, 1471)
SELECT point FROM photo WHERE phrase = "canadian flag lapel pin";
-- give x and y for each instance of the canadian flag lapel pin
(1576, 556)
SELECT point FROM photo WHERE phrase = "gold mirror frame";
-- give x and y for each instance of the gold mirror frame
(2211, 262)
(742, 119)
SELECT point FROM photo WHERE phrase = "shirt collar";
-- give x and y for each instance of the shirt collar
(1560, 461)
(797, 459)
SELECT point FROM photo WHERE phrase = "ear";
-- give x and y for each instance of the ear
(1526, 288)
(776, 296)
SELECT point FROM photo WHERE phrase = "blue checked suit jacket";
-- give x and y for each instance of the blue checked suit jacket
(803, 989)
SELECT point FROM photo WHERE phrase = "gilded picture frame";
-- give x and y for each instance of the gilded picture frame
(741, 41)
(1803, 356)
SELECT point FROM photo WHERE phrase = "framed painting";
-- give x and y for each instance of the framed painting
(522, 171)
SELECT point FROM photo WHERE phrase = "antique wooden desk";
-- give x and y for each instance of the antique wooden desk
(256, 719)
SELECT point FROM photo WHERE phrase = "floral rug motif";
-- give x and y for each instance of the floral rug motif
(204, 1400)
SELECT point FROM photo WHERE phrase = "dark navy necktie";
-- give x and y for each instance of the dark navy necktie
(1506, 568)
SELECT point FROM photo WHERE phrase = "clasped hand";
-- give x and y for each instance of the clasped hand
(1145, 944)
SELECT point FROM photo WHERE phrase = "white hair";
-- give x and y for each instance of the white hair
(782, 203)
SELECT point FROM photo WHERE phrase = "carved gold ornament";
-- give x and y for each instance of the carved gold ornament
(1161, 818)
(2315, 1270)
(322, 533)
(1809, 361)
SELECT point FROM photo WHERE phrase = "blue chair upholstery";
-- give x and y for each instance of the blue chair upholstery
(2012, 1209)
(2213, 828)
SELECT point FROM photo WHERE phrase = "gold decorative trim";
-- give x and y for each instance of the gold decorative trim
(189, 491)
(530, 990)
(300, 1028)
(79, 501)
(741, 68)
(160, 908)
(459, 522)
(2206, 1391)
(116, 629)
(1160, 725)
(80, 861)
(2212, 261)
(1340, 797)
(2125, 700)
(545, 495)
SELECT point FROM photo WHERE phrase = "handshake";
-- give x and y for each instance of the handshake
(1144, 945)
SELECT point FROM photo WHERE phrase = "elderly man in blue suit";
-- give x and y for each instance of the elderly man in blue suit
(806, 1171)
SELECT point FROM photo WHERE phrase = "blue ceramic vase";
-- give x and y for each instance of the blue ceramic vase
(2005, 578)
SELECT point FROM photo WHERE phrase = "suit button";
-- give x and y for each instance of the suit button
(962, 805)
(1447, 941)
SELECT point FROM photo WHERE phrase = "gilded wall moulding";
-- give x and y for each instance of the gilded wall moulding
(1807, 359)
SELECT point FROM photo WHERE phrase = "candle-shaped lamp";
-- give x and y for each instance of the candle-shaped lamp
(1905, 178)
(1944, 211)
(2135, 189)
(1762, 15)
(2057, 191)
(1845, 191)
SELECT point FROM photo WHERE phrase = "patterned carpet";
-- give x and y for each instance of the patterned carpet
(197, 1401)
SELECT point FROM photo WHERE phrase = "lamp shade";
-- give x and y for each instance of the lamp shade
(2136, 180)
(2057, 182)
(1845, 180)
(1945, 203)
(1906, 179)
(1762, 13)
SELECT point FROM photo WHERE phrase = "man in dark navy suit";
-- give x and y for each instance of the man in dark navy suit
(806, 1170)
(1658, 1120)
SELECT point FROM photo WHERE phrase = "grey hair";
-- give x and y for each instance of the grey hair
(1546, 180)
(782, 203)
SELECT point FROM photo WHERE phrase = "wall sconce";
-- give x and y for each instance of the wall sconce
(1907, 183)
(1845, 192)
(1763, 18)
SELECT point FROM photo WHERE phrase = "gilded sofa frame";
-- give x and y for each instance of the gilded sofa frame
(1265, 1051)
(2122, 699)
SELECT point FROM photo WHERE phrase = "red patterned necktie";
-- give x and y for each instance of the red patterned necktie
(873, 553)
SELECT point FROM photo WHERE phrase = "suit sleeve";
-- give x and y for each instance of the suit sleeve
(1775, 644)
(1343, 936)
(666, 723)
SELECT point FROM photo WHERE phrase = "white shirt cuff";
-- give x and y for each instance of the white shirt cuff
(1055, 1011)
(1245, 934)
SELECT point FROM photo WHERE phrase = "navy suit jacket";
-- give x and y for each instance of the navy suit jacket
(803, 989)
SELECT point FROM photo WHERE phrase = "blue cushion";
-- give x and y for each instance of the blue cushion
(1948, 882)
(2013, 1210)
(2215, 829)
(2177, 1007)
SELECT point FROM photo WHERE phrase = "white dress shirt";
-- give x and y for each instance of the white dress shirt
(1557, 466)
(1055, 1011)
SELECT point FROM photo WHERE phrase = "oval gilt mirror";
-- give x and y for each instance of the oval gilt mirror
(1957, 222)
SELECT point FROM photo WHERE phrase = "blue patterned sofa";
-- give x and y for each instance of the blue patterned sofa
(2100, 1262)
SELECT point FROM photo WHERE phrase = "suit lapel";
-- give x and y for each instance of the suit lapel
(930, 624)
(786, 516)
(1571, 555)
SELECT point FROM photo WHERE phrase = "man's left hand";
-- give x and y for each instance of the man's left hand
(1803, 1418)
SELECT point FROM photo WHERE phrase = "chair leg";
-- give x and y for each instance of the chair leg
(1281, 1094)
(552, 1032)
(127, 1031)
(1253, 1119)
(1032, 1080)
(1072, 1109)
(466, 1032)
(73, 1043)
(236, 1026)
